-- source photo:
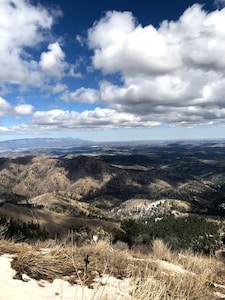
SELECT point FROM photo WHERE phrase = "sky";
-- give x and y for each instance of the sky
(112, 70)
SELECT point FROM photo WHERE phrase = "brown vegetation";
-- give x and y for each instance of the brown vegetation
(159, 273)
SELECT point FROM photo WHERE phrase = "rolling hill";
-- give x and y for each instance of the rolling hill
(69, 191)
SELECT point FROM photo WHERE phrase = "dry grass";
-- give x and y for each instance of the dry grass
(68, 260)
(174, 287)
(147, 279)
(160, 250)
(150, 288)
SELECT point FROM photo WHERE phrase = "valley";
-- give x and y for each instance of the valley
(98, 190)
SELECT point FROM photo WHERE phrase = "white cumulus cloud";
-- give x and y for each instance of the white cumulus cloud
(171, 74)
(97, 118)
(83, 95)
(23, 109)
(5, 107)
(23, 27)
(120, 45)
(53, 62)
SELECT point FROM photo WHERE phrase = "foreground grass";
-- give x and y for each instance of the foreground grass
(156, 273)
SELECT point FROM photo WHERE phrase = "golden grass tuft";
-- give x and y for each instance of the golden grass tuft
(10, 247)
(171, 286)
(161, 250)
(150, 288)
(166, 285)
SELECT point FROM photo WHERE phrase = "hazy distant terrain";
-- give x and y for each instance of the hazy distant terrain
(41, 146)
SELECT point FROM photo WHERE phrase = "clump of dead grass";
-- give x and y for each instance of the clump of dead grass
(149, 288)
(69, 260)
(170, 286)
(147, 279)
(196, 282)
(161, 284)
(161, 250)
(10, 247)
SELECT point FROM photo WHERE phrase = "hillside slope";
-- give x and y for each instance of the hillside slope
(112, 186)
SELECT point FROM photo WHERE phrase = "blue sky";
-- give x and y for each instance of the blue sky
(112, 70)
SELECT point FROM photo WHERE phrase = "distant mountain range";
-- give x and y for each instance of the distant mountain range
(65, 146)
(42, 143)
